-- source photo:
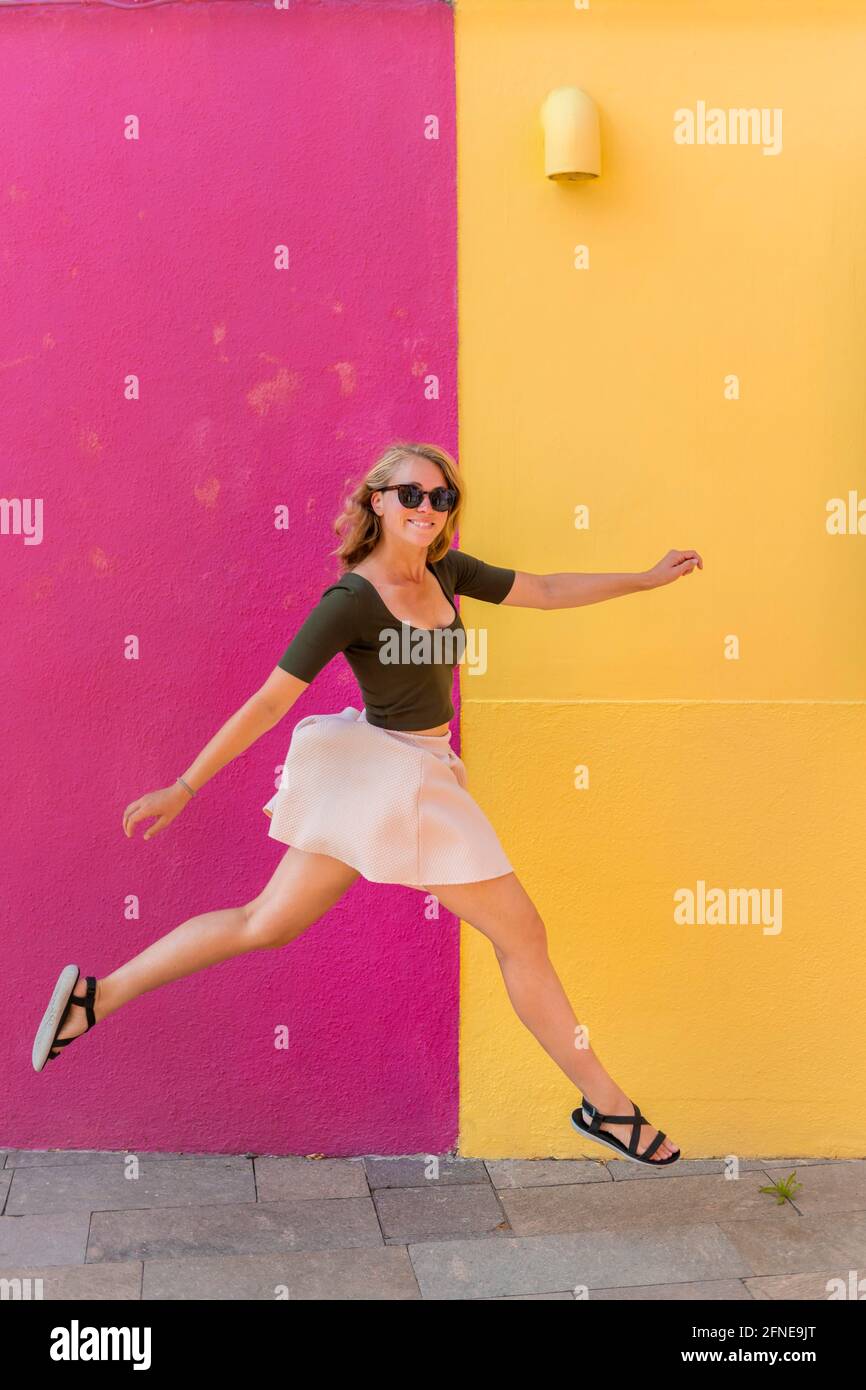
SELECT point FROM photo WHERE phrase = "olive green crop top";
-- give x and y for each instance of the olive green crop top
(405, 672)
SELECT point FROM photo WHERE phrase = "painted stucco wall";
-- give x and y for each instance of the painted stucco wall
(720, 720)
(259, 388)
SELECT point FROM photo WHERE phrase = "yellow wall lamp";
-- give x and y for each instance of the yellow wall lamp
(572, 143)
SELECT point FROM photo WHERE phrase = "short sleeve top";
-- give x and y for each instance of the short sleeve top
(405, 673)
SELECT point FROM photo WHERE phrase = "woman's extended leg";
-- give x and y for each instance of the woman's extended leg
(502, 909)
(302, 888)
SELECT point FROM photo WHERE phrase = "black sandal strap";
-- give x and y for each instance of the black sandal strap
(635, 1132)
(614, 1119)
(622, 1119)
(86, 1003)
(595, 1117)
(636, 1120)
(653, 1145)
(91, 998)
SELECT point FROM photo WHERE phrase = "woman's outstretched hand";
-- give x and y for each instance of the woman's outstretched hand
(675, 563)
(166, 803)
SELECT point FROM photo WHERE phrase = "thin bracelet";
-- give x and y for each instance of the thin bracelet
(188, 787)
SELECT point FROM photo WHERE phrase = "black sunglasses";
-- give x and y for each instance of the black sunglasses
(442, 499)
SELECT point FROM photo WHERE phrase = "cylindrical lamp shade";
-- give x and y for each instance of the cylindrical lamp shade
(572, 143)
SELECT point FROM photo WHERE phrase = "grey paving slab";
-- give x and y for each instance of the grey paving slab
(85, 1282)
(528, 1298)
(5, 1184)
(589, 1206)
(622, 1169)
(254, 1228)
(810, 1243)
(800, 1287)
(414, 1213)
(105, 1186)
(27, 1158)
(837, 1186)
(544, 1172)
(364, 1274)
(492, 1268)
(280, 1178)
(706, 1290)
(418, 1170)
(789, 1163)
(849, 1229)
(283, 1227)
(53, 1238)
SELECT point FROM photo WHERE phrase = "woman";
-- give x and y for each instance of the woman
(381, 793)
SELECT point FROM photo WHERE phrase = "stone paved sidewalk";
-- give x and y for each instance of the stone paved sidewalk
(96, 1225)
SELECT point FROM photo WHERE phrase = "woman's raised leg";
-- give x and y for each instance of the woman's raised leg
(502, 910)
(300, 891)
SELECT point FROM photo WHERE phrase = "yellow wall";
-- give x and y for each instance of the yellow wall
(606, 387)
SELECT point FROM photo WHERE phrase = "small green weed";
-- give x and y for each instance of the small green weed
(784, 1188)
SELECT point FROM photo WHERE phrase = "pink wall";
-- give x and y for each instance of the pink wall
(259, 387)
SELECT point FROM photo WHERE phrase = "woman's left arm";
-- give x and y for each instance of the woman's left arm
(568, 590)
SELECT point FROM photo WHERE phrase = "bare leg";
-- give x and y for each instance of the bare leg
(504, 912)
(302, 888)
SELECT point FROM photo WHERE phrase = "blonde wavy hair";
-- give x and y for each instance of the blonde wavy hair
(358, 526)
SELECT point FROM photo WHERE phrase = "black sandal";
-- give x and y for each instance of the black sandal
(593, 1131)
(62, 999)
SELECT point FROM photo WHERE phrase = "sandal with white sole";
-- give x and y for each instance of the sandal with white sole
(592, 1129)
(55, 1015)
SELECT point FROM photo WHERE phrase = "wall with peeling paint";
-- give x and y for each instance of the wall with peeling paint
(259, 388)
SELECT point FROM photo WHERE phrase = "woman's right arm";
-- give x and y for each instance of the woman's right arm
(329, 628)
(260, 713)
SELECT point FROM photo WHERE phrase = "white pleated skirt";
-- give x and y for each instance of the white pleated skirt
(393, 805)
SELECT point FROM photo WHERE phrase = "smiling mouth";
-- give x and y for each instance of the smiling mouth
(423, 525)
